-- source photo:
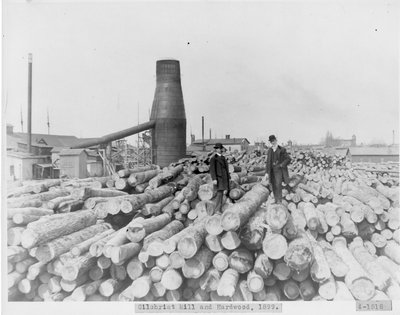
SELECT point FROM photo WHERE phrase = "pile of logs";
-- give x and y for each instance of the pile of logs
(305, 161)
(151, 234)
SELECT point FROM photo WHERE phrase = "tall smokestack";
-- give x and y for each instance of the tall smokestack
(30, 103)
(210, 133)
(168, 113)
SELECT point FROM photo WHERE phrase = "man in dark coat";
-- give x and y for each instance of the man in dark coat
(277, 161)
(220, 174)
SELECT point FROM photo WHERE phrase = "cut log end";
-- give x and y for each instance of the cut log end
(362, 289)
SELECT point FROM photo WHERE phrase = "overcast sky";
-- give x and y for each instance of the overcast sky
(293, 69)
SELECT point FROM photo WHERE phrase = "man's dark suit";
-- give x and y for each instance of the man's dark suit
(219, 171)
(277, 170)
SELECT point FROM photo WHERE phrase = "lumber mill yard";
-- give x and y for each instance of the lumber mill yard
(150, 232)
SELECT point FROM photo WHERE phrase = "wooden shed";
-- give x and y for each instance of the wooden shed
(73, 163)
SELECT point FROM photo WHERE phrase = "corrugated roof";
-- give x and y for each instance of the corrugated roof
(354, 151)
(39, 139)
(48, 140)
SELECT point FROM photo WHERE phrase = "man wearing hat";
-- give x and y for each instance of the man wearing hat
(277, 161)
(220, 174)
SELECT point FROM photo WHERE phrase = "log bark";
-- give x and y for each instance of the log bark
(124, 252)
(209, 281)
(117, 239)
(137, 231)
(154, 243)
(191, 190)
(198, 264)
(138, 178)
(228, 282)
(33, 211)
(299, 252)
(392, 251)
(156, 208)
(136, 202)
(356, 279)
(84, 246)
(311, 216)
(252, 232)
(56, 226)
(79, 266)
(63, 244)
(70, 206)
(192, 240)
(338, 267)
(24, 219)
(241, 260)
(238, 213)
(320, 270)
(375, 271)
(96, 249)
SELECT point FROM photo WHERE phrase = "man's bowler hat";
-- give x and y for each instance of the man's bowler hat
(271, 138)
(218, 146)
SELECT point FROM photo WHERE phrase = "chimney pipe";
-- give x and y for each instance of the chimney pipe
(210, 133)
(30, 103)
(202, 132)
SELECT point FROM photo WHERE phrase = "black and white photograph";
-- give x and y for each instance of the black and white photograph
(200, 157)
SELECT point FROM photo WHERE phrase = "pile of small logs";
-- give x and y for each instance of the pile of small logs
(151, 234)
(305, 161)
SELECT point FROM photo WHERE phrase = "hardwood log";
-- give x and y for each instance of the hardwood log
(356, 279)
(228, 282)
(136, 231)
(58, 246)
(56, 226)
(239, 213)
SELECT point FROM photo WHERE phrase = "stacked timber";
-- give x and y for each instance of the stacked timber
(334, 237)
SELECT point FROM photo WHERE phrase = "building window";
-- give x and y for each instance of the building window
(12, 170)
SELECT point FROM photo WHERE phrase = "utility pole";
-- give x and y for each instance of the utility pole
(202, 133)
(30, 103)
